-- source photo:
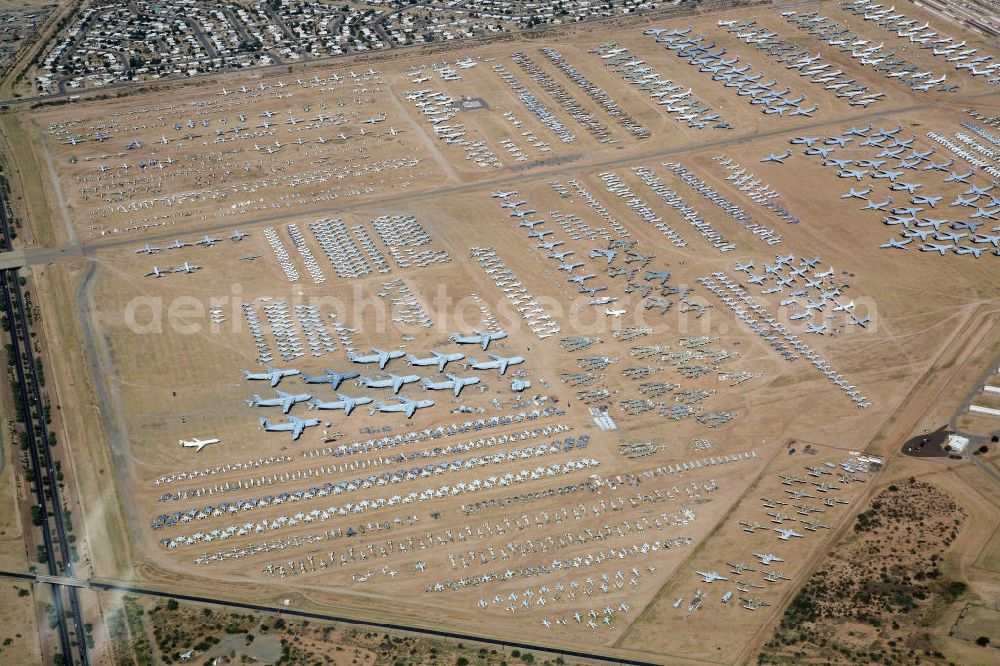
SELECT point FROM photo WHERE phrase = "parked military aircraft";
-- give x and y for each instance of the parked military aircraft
(478, 338)
(454, 382)
(345, 402)
(273, 375)
(436, 359)
(294, 424)
(395, 382)
(500, 363)
(330, 377)
(406, 405)
(284, 400)
(377, 356)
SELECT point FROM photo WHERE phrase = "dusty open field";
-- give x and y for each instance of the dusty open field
(598, 566)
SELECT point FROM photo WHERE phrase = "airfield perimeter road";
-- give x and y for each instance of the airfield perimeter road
(36, 256)
(40, 456)
(118, 586)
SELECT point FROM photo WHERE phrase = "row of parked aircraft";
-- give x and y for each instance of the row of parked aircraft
(889, 159)
(710, 59)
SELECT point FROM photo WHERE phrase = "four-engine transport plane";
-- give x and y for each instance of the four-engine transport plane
(395, 382)
(284, 400)
(294, 425)
(478, 338)
(273, 375)
(334, 379)
(345, 402)
(406, 405)
(454, 383)
(435, 359)
(500, 363)
(377, 356)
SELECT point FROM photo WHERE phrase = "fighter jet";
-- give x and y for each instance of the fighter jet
(395, 382)
(284, 400)
(156, 272)
(436, 358)
(377, 356)
(330, 377)
(238, 235)
(147, 249)
(345, 402)
(274, 375)
(454, 383)
(479, 338)
(294, 424)
(177, 244)
(500, 363)
(406, 405)
(787, 533)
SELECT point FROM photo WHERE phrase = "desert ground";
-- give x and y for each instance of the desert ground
(586, 544)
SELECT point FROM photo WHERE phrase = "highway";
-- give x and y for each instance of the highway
(42, 470)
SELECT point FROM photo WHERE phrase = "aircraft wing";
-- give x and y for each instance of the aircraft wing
(275, 378)
(297, 430)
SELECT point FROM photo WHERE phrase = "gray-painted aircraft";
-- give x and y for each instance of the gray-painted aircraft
(283, 400)
(273, 375)
(345, 402)
(922, 199)
(608, 254)
(406, 405)
(395, 382)
(775, 157)
(436, 359)
(479, 338)
(500, 363)
(294, 425)
(454, 382)
(334, 379)
(935, 247)
(377, 356)
(857, 194)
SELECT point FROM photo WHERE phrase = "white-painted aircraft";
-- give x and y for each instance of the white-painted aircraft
(197, 444)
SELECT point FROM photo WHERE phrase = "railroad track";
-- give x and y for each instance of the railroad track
(42, 470)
